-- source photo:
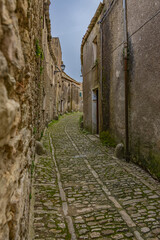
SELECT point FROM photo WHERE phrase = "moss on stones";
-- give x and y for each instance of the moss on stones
(107, 139)
(148, 158)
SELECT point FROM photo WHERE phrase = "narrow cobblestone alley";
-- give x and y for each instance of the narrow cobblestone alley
(81, 191)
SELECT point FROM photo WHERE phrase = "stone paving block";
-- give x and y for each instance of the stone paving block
(104, 198)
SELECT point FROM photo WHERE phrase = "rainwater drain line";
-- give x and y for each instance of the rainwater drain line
(63, 196)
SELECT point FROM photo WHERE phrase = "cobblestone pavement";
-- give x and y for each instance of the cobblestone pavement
(83, 192)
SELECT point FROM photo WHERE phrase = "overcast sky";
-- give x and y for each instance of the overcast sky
(69, 21)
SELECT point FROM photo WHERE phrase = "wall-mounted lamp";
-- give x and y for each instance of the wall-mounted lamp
(62, 69)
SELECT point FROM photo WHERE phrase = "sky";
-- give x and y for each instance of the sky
(69, 22)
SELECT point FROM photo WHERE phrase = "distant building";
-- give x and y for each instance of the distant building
(70, 94)
(81, 98)
(67, 90)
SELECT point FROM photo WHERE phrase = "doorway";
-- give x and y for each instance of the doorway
(95, 111)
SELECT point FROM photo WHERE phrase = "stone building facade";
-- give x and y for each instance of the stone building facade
(27, 104)
(68, 97)
(70, 94)
(91, 70)
(128, 79)
(58, 75)
(81, 98)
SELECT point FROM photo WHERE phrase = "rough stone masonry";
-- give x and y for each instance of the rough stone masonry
(20, 25)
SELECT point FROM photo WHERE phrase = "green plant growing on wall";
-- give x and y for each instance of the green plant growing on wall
(32, 168)
(103, 79)
(154, 164)
(53, 122)
(39, 51)
(41, 69)
(150, 161)
(34, 130)
(42, 56)
(41, 134)
(107, 139)
(128, 52)
(96, 62)
(30, 196)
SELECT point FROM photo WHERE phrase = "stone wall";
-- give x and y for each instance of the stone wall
(75, 97)
(91, 70)
(27, 93)
(19, 26)
(144, 72)
(81, 98)
(113, 71)
(90, 80)
(67, 89)
(48, 84)
(143, 79)
(70, 94)
(56, 46)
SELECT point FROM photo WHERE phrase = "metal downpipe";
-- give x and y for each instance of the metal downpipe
(127, 155)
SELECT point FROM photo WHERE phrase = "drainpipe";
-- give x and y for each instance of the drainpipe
(101, 82)
(101, 62)
(126, 80)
